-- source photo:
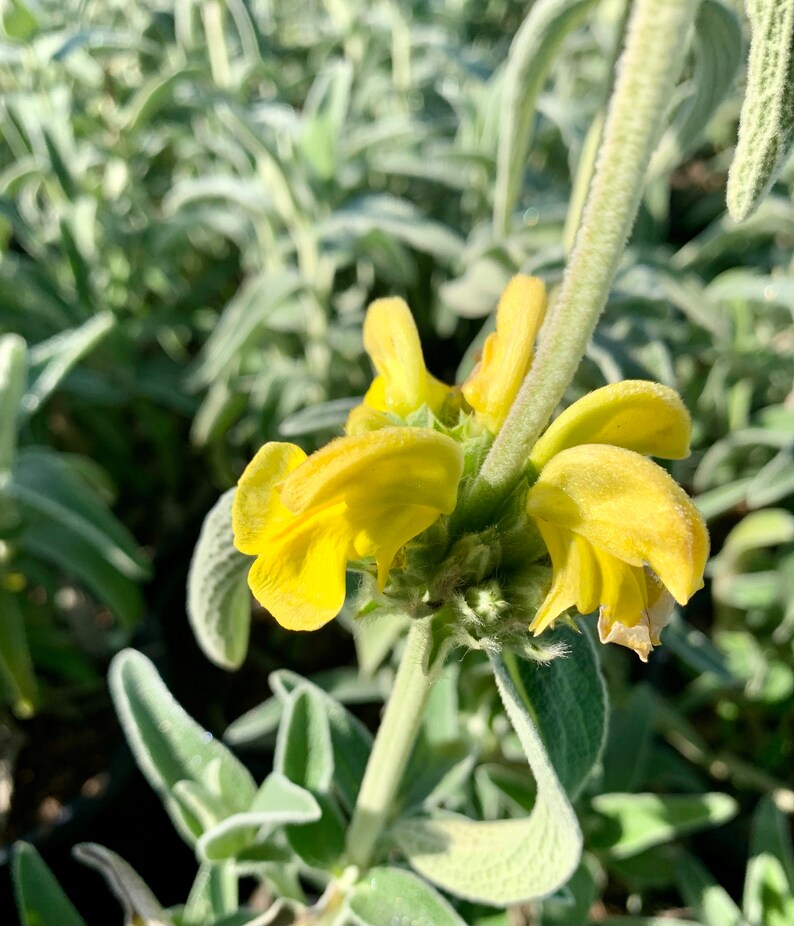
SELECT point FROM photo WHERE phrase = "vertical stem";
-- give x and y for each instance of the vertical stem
(647, 73)
(212, 15)
(392, 748)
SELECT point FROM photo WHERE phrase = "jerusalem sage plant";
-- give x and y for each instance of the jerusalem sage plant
(468, 517)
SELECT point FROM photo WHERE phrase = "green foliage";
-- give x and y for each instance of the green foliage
(199, 780)
(218, 602)
(389, 894)
(766, 127)
(510, 861)
(40, 899)
(196, 204)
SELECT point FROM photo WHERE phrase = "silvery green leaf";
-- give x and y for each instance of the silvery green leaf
(243, 322)
(278, 801)
(141, 907)
(305, 756)
(170, 747)
(529, 60)
(326, 416)
(506, 861)
(766, 125)
(635, 822)
(218, 600)
(567, 698)
(718, 53)
(391, 895)
(393, 216)
(40, 899)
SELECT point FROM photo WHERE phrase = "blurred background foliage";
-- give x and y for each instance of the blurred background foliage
(197, 201)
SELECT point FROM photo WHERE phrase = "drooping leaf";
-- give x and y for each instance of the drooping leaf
(506, 861)
(718, 53)
(567, 699)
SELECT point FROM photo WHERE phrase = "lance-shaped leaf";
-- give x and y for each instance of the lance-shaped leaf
(507, 861)
(766, 124)
(529, 61)
(196, 776)
(718, 53)
(769, 883)
(40, 899)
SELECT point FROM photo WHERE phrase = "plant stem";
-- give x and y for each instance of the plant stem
(647, 73)
(392, 748)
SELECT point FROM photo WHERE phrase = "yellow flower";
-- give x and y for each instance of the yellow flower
(620, 532)
(507, 352)
(403, 384)
(305, 518)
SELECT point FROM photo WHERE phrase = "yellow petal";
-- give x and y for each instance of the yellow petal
(384, 531)
(392, 342)
(257, 508)
(624, 596)
(645, 417)
(299, 575)
(388, 467)
(576, 579)
(507, 352)
(364, 418)
(627, 506)
(641, 633)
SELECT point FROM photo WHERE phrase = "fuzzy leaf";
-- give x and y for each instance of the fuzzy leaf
(141, 907)
(170, 747)
(218, 600)
(567, 698)
(529, 60)
(278, 801)
(391, 895)
(507, 861)
(766, 124)
(718, 53)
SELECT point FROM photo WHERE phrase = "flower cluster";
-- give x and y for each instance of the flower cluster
(620, 534)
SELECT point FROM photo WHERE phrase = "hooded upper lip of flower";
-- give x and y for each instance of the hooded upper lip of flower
(618, 528)
(403, 384)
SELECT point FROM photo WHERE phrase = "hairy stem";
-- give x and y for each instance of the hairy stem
(647, 73)
(392, 748)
